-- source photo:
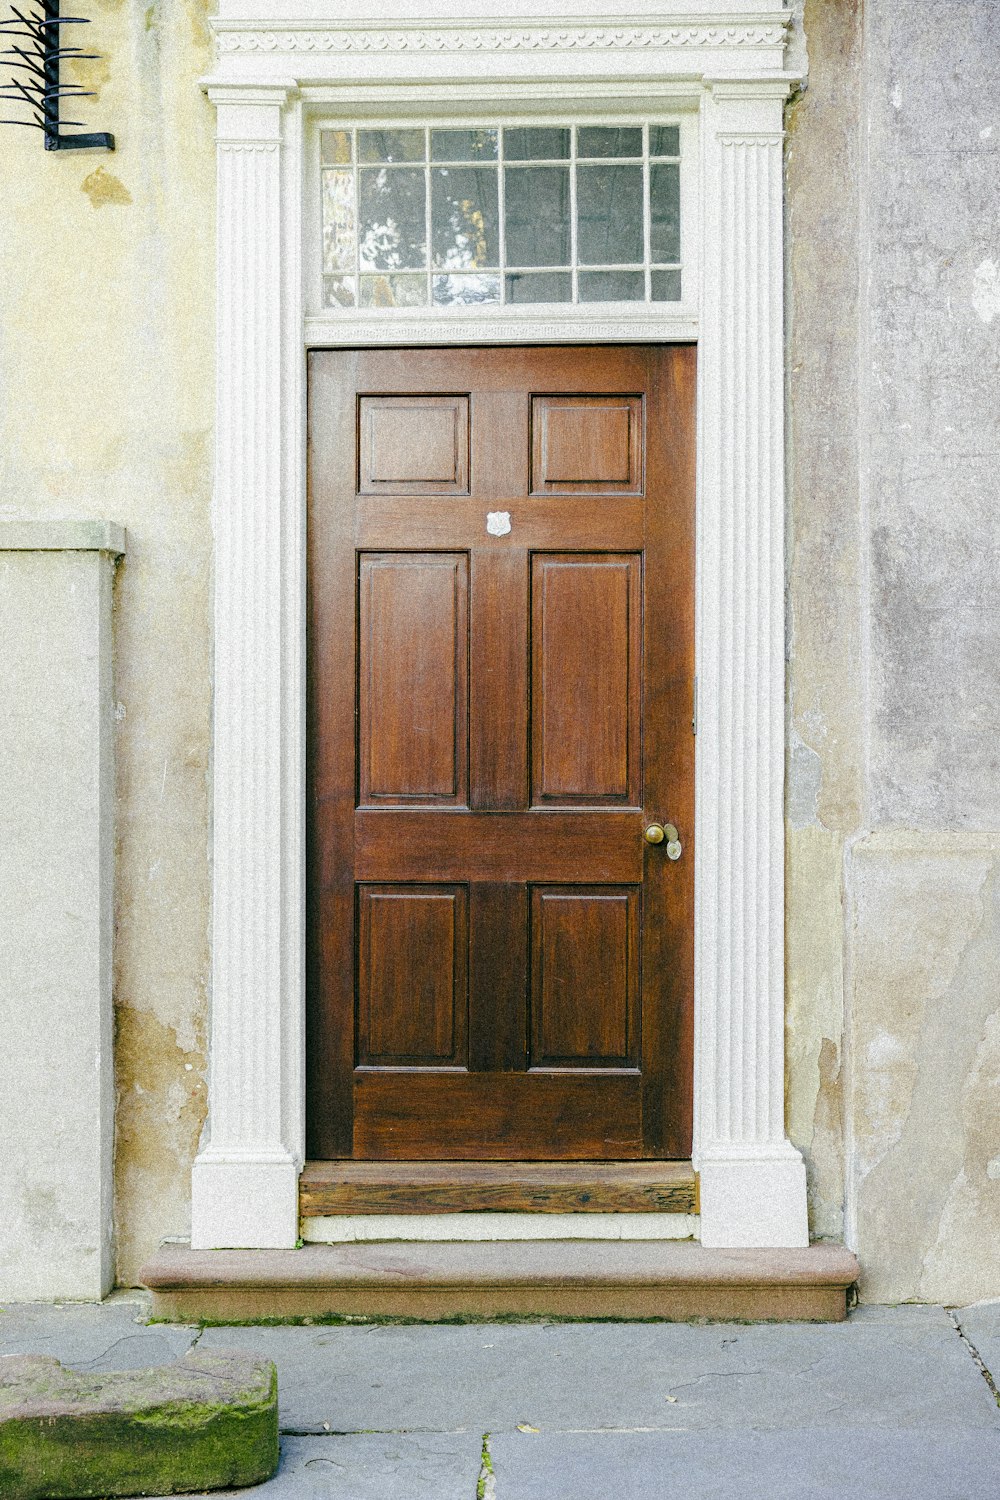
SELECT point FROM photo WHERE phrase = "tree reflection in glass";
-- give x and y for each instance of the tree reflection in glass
(393, 219)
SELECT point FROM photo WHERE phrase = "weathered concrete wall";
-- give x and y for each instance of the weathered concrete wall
(826, 704)
(925, 932)
(893, 792)
(106, 306)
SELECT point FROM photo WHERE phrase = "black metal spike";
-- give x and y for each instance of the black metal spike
(37, 51)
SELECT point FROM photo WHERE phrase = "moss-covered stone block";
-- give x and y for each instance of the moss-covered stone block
(207, 1422)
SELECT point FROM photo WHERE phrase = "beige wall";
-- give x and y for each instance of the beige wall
(106, 370)
(893, 810)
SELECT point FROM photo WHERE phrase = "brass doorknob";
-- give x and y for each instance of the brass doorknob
(656, 833)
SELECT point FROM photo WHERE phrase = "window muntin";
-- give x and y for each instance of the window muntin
(447, 217)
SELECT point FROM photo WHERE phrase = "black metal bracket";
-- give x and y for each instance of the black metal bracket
(36, 53)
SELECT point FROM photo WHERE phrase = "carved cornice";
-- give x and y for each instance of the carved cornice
(308, 37)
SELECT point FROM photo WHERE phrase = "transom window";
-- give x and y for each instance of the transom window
(518, 214)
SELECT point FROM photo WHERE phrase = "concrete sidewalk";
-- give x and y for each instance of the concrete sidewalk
(894, 1403)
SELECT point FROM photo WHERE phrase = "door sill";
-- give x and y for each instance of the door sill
(443, 1187)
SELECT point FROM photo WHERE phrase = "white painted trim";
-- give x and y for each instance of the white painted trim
(752, 1180)
(753, 1188)
(346, 1229)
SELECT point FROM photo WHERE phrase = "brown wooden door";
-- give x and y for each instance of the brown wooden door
(501, 681)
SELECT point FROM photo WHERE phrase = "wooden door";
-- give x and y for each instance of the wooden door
(501, 684)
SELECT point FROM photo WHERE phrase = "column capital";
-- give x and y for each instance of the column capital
(249, 114)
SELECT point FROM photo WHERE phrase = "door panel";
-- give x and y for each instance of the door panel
(500, 687)
(412, 674)
(412, 986)
(586, 444)
(585, 941)
(413, 446)
(586, 682)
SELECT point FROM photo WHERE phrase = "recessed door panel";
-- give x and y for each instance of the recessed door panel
(586, 445)
(412, 675)
(584, 977)
(586, 678)
(412, 966)
(416, 446)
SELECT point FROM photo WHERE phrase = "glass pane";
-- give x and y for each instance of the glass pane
(664, 140)
(338, 291)
(612, 286)
(393, 291)
(390, 145)
(666, 286)
(605, 140)
(609, 216)
(538, 286)
(465, 291)
(335, 148)
(463, 145)
(536, 145)
(393, 233)
(338, 221)
(665, 212)
(536, 216)
(464, 218)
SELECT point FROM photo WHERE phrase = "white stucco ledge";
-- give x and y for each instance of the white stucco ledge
(63, 536)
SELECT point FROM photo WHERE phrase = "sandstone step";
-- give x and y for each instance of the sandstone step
(673, 1280)
(208, 1422)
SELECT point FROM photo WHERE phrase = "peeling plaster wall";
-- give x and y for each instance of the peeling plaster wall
(106, 374)
(893, 796)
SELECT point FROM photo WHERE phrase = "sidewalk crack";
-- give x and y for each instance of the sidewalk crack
(486, 1485)
(977, 1358)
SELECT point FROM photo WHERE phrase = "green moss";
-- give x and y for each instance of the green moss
(486, 1468)
(102, 1436)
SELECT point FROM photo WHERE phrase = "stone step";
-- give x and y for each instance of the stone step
(208, 1422)
(675, 1280)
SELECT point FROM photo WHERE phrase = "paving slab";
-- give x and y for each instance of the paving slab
(909, 1371)
(981, 1326)
(369, 1466)
(97, 1337)
(854, 1463)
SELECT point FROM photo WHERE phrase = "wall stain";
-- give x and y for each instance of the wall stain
(162, 1103)
(103, 187)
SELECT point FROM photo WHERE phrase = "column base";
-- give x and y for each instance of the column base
(244, 1202)
(753, 1202)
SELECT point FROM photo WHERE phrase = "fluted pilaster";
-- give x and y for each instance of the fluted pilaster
(753, 1181)
(245, 1179)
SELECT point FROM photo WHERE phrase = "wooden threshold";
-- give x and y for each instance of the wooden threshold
(451, 1187)
(666, 1279)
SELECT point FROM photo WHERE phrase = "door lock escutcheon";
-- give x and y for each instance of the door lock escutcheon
(659, 833)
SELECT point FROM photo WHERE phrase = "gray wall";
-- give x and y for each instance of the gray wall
(894, 796)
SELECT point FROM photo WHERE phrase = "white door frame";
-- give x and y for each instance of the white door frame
(271, 74)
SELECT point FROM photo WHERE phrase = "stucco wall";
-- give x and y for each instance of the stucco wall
(106, 312)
